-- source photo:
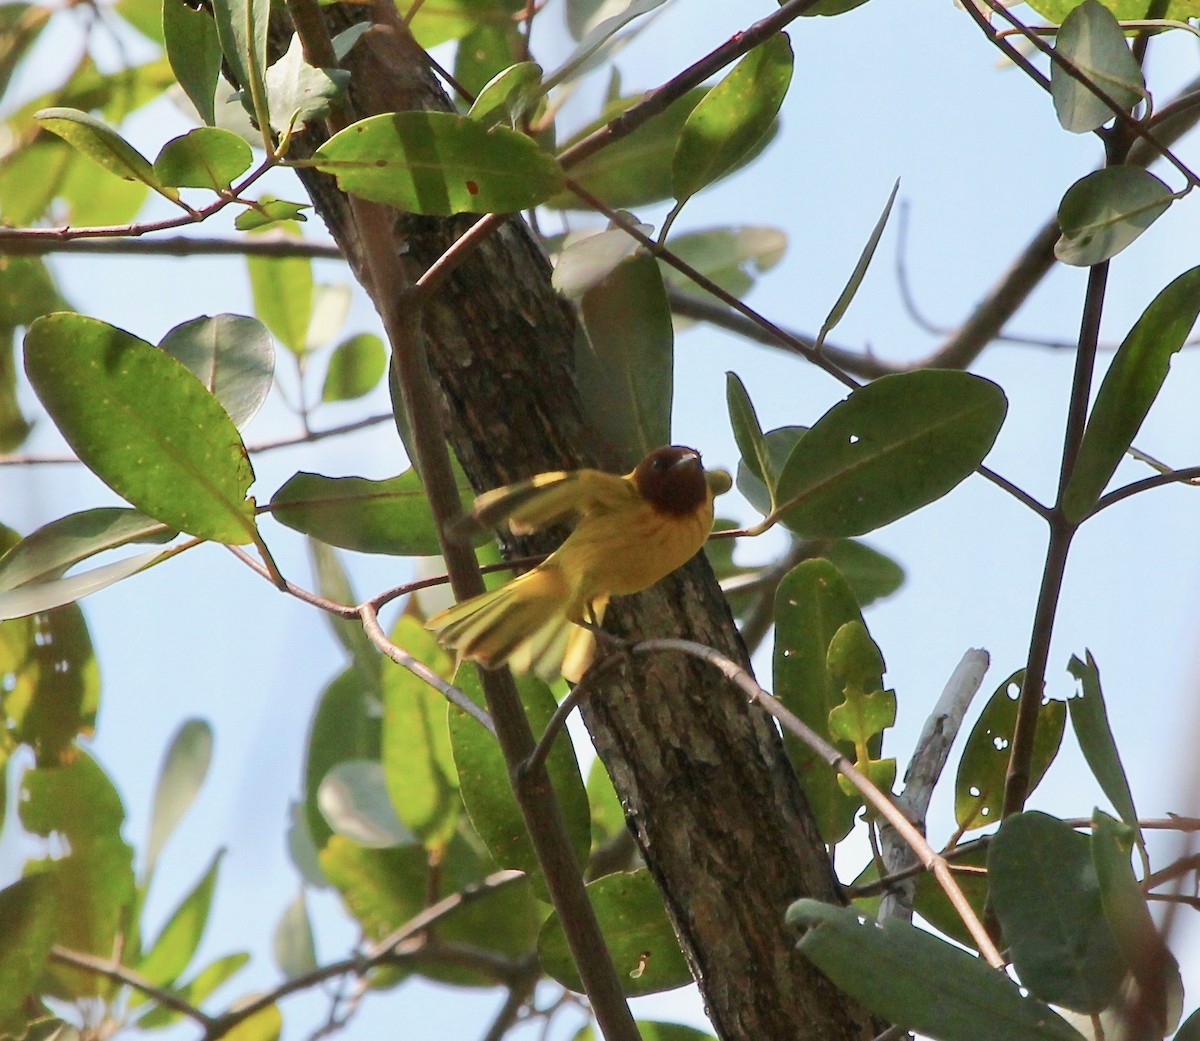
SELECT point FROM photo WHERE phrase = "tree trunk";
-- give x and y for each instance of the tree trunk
(707, 791)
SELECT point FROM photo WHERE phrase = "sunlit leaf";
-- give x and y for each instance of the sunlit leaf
(100, 143)
(176, 945)
(34, 597)
(293, 946)
(505, 96)
(207, 157)
(267, 211)
(487, 792)
(27, 911)
(199, 987)
(438, 163)
(283, 296)
(733, 117)
(391, 516)
(748, 433)
(355, 368)
(144, 425)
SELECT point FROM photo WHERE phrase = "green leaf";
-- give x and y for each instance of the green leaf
(184, 767)
(207, 157)
(870, 575)
(283, 296)
(587, 259)
(55, 547)
(345, 726)
(1128, 914)
(267, 211)
(651, 1030)
(1045, 893)
(843, 302)
(888, 449)
(333, 582)
(485, 52)
(242, 30)
(593, 46)
(29, 291)
(27, 911)
(625, 367)
(417, 759)
(923, 984)
(932, 904)
(355, 368)
(1133, 380)
(780, 442)
(1091, 39)
(103, 145)
(636, 930)
(1106, 210)
(607, 813)
(1126, 10)
(265, 1025)
(635, 170)
(144, 425)
(94, 884)
(46, 596)
(733, 117)
(391, 516)
(979, 786)
(51, 685)
(293, 946)
(194, 52)
(353, 798)
(331, 306)
(812, 603)
(383, 888)
(233, 356)
(176, 945)
(506, 95)
(1089, 720)
(196, 990)
(748, 434)
(487, 792)
(298, 93)
(731, 256)
(438, 163)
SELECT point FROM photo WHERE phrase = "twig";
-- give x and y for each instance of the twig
(585, 686)
(123, 974)
(520, 991)
(878, 800)
(453, 694)
(1188, 475)
(267, 245)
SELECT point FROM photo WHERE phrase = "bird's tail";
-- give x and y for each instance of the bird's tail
(525, 624)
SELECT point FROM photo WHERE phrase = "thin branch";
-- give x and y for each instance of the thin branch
(1188, 475)
(299, 592)
(455, 695)
(878, 800)
(118, 973)
(64, 234)
(382, 953)
(520, 992)
(581, 690)
(266, 245)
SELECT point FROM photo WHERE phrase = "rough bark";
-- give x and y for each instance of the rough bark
(708, 793)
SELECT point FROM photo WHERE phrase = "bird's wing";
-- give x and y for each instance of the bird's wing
(549, 498)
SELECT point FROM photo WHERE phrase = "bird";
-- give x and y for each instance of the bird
(630, 531)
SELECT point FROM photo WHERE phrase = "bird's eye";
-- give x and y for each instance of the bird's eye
(660, 463)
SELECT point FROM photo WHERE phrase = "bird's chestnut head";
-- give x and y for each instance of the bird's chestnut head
(671, 479)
